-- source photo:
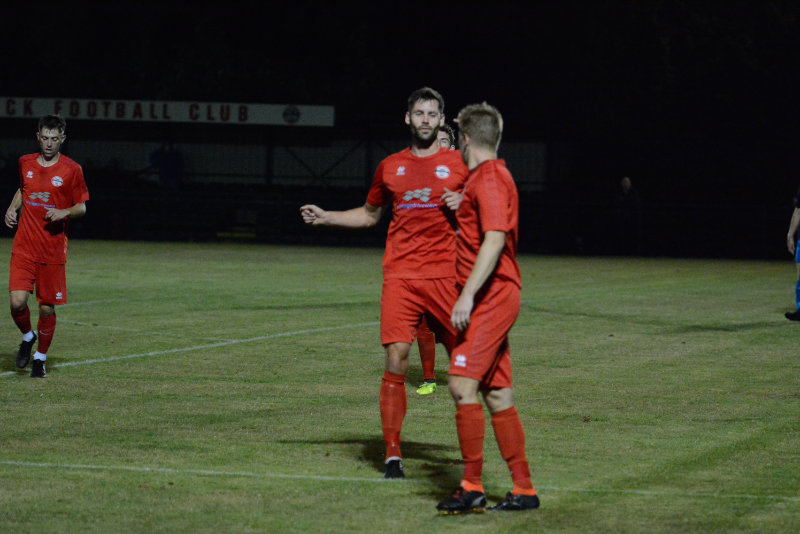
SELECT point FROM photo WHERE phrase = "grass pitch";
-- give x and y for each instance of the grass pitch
(234, 388)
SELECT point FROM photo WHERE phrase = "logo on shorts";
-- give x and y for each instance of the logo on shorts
(461, 360)
(57, 181)
(59, 296)
(442, 172)
(44, 197)
(401, 170)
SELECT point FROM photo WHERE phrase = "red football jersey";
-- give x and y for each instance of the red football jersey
(59, 186)
(421, 240)
(490, 202)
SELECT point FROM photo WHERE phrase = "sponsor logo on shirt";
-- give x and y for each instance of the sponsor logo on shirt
(461, 360)
(422, 194)
(40, 196)
(401, 170)
(29, 174)
(442, 172)
(57, 181)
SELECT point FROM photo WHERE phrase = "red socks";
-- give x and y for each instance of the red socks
(511, 441)
(471, 426)
(393, 411)
(22, 319)
(426, 342)
(46, 327)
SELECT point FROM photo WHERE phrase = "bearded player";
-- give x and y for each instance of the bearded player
(51, 192)
(419, 183)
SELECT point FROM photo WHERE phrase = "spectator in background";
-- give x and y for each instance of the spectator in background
(791, 244)
(168, 162)
(628, 219)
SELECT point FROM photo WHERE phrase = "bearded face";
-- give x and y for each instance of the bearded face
(424, 120)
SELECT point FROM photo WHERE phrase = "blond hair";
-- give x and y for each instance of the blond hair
(482, 123)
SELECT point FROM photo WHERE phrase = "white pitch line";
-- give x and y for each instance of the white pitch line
(250, 474)
(201, 347)
(135, 331)
(203, 472)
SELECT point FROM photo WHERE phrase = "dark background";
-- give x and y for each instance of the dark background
(694, 100)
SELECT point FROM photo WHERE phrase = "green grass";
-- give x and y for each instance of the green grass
(234, 388)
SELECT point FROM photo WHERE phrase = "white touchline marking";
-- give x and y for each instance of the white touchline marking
(201, 347)
(135, 331)
(250, 474)
(91, 302)
(204, 472)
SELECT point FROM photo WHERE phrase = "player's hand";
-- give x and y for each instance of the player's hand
(461, 312)
(313, 215)
(790, 244)
(11, 217)
(452, 199)
(53, 215)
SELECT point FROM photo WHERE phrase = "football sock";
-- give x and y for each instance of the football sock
(39, 356)
(426, 342)
(797, 295)
(393, 411)
(471, 427)
(28, 336)
(511, 440)
(46, 327)
(22, 319)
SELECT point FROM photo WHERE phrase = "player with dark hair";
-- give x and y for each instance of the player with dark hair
(447, 137)
(486, 309)
(419, 183)
(51, 192)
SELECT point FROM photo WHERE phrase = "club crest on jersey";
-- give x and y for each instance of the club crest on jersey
(57, 181)
(401, 170)
(29, 174)
(442, 172)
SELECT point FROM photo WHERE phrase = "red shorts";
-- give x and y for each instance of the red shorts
(481, 351)
(50, 279)
(405, 302)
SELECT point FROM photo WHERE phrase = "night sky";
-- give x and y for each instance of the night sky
(692, 98)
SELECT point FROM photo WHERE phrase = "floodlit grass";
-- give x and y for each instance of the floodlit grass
(234, 388)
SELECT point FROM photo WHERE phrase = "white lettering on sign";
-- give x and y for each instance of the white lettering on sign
(167, 111)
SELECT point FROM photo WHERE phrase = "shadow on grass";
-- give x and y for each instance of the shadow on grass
(439, 463)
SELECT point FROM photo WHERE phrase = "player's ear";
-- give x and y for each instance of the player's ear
(408, 118)
(441, 121)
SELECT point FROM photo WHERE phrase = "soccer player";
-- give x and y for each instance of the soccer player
(791, 244)
(420, 184)
(51, 192)
(426, 342)
(447, 137)
(486, 308)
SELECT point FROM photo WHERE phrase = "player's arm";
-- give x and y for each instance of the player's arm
(365, 216)
(13, 209)
(493, 243)
(790, 243)
(75, 212)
